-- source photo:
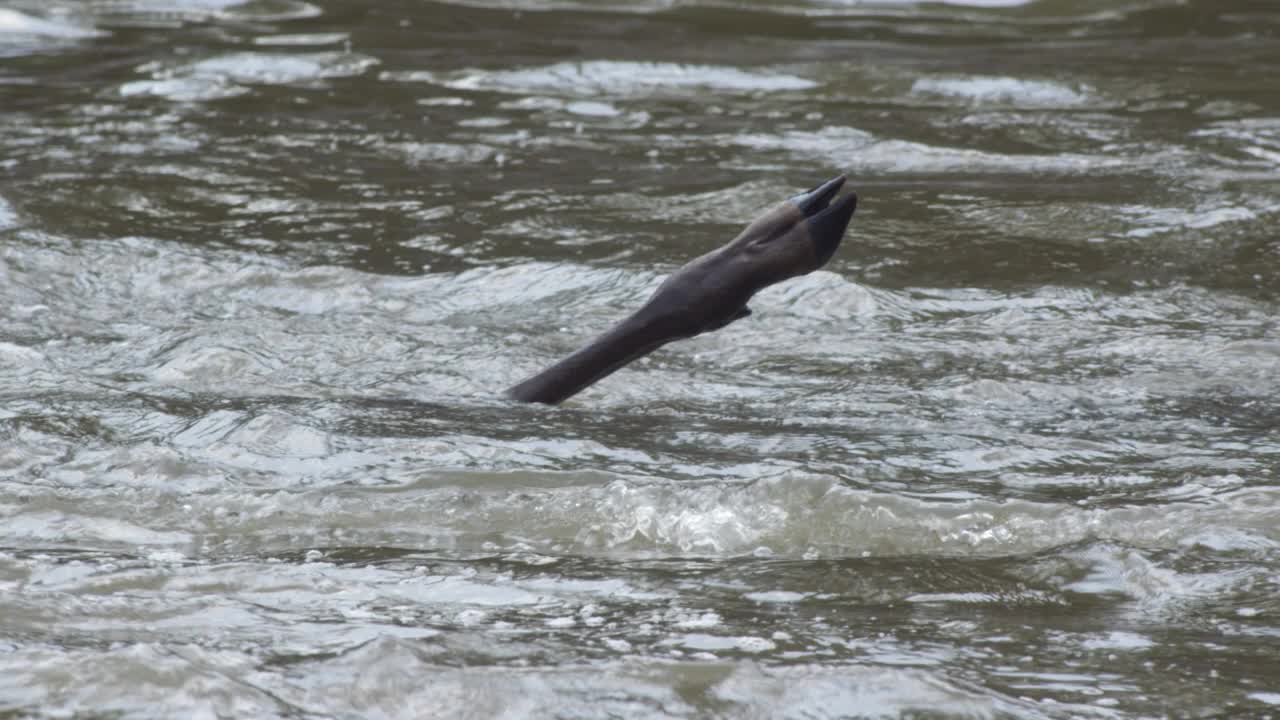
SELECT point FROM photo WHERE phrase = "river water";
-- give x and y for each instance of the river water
(266, 267)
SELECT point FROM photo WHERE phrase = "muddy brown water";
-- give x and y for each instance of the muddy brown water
(266, 267)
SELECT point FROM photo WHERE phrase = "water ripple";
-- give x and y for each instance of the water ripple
(266, 268)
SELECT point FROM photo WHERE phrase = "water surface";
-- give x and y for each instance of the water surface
(266, 267)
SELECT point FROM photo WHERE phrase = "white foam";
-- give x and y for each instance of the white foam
(961, 3)
(857, 150)
(1156, 221)
(299, 39)
(14, 23)
(996, 90)
(873, 691)
(8, 216)
(227, 75)
(610, 78)
(12, 356)
(183, 89)
(1118, 640)
(776, 596)
(647, 6)
(276, 69)
(148, 13)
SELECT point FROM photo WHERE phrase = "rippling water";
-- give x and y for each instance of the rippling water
(266, 266)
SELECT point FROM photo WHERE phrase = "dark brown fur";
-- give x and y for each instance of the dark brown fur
(794, 238)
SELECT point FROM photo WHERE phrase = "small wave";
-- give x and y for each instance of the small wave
(1004, 91)
(188, 89)
(807, 692)
(431, 153)
(23, 34)
(855, 149)
(727, 205)
(375, 670)
(273, 69)
(8, 216)
(153, 13)
(610, 79)
(18, 356)
(794, 7)
(792, 514)
(15, 24)
(227, 75)
(300, 39)
(1157, 221)
(211, 366)
(1256, 138)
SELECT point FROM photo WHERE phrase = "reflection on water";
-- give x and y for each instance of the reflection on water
(266, 267)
